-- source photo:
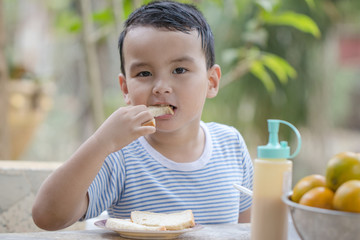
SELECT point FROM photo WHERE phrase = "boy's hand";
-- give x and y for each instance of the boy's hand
(124, 126)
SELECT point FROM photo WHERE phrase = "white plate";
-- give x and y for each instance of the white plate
(144, 234)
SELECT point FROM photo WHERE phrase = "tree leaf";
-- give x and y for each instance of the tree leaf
(259, 71)
(69, 22)
(103, 17)
(296, 20)
(279, 66)
(127, 8)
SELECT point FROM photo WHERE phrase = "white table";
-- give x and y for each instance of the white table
(209, 232)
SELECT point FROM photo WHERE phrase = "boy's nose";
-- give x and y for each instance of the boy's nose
(162, 87)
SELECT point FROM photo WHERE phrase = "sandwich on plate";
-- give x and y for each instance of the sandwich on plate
(151, 221)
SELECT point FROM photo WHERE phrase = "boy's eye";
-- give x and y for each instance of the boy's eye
(179, 70)
(143, 74)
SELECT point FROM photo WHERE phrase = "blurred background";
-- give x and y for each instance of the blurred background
(296, 60)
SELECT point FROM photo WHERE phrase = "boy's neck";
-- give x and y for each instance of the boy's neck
(180, 146)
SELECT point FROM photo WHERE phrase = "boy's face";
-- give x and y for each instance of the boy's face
(168, 68)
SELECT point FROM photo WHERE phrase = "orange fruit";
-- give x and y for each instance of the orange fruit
(321, 197)
(347, 197)
(305, 184)
(341, 168)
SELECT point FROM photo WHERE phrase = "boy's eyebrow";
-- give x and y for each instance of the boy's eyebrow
(138, 65)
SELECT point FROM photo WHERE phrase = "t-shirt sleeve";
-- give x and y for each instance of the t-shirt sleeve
(248, 174)
(107, 185)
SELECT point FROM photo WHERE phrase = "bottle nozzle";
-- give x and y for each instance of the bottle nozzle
(274, 149)
(273, 128)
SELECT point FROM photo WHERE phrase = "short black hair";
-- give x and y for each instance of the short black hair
(173, 16)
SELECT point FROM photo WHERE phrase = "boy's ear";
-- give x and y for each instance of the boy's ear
(124, 88)
(214, 75)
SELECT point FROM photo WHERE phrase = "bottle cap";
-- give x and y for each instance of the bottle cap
(274, 149)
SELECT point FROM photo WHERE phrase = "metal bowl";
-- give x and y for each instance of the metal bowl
(318, 224)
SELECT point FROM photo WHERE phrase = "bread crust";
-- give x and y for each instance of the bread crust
(151, 123)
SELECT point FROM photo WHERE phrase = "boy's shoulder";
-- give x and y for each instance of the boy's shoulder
(221, 130)
(214, 126)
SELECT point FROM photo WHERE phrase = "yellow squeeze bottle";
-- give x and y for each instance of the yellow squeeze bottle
(272, 178)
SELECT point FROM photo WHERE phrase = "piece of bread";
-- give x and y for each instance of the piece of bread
(172, 221)
(157, 111)
(124, 224)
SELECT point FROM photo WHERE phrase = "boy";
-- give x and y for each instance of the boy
(167, 58)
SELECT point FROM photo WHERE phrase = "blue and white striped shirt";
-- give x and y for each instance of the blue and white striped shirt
(138, 177)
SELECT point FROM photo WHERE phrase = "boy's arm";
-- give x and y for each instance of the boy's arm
(62, 199)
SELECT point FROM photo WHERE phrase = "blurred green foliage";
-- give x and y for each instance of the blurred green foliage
(261, 36)
(265, 49)
(272, 54)
(256, 73)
